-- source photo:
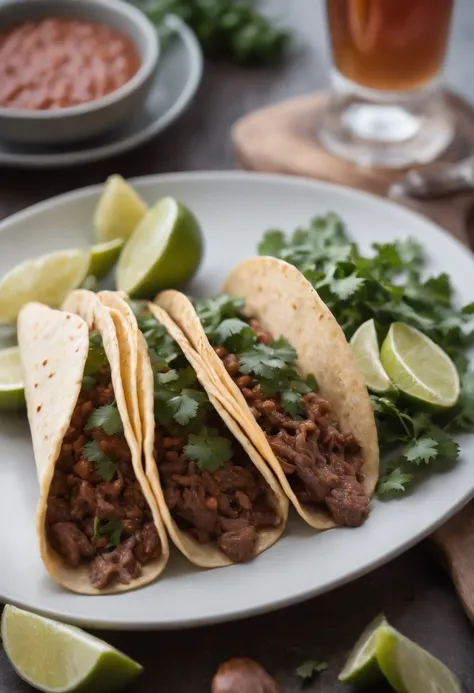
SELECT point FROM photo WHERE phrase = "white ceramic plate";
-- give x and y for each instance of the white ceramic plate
(234, 209)
(177, 78)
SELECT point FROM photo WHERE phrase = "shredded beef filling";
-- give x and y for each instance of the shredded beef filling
(228, 506)
(80, 500)
(322, 464)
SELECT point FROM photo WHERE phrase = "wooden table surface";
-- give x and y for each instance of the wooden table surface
(412, 590)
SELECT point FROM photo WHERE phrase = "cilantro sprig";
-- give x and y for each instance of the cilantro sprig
(176, 400)
(104, 465)
(309, 669)
(208, 449)
(107, 418)
(272, 366)
(112, 529)
(389, 285)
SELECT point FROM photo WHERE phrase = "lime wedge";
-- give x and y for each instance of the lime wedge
(409, 668)
(362, 667)
(365, 348)
(12, 393)
(57, 658)
(418, 367)
(47, 279)
(104, 256)
(119, 210)
(164, 251)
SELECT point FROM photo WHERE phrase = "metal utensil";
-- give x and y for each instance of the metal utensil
(437, 180)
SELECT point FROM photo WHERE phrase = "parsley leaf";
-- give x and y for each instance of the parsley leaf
(112, 529)
(209, 450)
(107, 418)
(104, 466)
(310, 668)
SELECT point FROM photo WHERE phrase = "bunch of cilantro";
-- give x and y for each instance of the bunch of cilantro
(182, 407)
(272, 366)
(389, 285)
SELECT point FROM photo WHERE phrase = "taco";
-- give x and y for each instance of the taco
(288, 376)
(98, 524)
(219, 501)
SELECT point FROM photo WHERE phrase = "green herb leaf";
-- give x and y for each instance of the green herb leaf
(96, 357)
(88, 382)
(292, 403)
(107, 418)
(112, 529)
(310, 668)
(395, 482)
(208, 449)
(422, 450)
(104, 466)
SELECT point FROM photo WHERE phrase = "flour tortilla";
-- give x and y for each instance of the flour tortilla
(54, 346)
(286, 305)
(203, 555)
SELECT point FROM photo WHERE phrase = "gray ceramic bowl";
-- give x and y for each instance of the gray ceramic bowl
(93, 118)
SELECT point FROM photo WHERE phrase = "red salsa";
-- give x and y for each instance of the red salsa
(57, 63)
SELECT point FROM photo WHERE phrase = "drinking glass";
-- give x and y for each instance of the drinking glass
(388, 106)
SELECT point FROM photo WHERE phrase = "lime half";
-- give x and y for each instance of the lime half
(365, 348)
(409, 668)
(104, 256)
(362, 667)
(119, 211)
(164, 251)
(418, 367)
(47, 279)
(57, 658)
(12, 393)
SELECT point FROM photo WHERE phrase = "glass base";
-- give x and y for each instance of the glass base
(385, 129)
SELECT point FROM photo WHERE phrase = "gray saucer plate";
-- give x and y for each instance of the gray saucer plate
(177, 79)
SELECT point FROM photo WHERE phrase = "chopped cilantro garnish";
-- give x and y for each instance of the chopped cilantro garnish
(107, 418)
(112, 529)
(272, 366)
(104, 466)
(208, 449)
(176, 401)
(310, 668)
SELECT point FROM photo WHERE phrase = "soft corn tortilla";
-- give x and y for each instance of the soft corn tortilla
(286, 305)
(205, 556)
(54, 346)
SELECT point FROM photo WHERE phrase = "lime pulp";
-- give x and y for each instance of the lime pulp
(12, 393)
(164, 251)
(362, 667)
(366, 351)
(119, 211)
(47, 279)
(419, 368)
(58, 658)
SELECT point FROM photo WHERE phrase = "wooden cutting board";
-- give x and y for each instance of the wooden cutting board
(282, 139)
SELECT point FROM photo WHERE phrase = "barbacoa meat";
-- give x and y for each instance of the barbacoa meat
(228, 506)
(322, 464)
(79, 498)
